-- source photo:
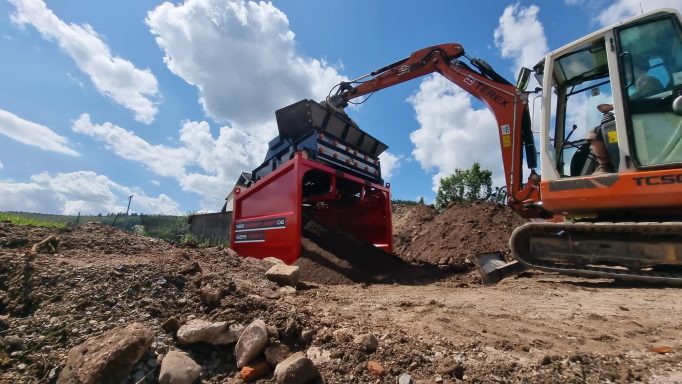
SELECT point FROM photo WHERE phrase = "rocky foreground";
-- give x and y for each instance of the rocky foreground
(97, 305)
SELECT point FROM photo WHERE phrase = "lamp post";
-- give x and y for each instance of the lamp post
(129, 199)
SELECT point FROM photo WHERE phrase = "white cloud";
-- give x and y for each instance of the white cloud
(452, 133)
(622, 9)
(521, 36)
(2, 166)
(155, 182)
(390, 164)
(83, 191)
(30, 133)
(160, 159)
(113, 76)
(242, 57)
(201, 163)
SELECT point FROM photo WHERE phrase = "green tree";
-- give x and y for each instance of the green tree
(465, 186)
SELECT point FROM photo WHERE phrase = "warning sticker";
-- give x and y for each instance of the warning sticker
(506, 141)
(612, 137)
(504, 129)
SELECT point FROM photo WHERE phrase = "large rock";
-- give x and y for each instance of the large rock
(296, 369)
(251, 343)
(107, 358)
(178, 368)
(284, 274)
(202, 331)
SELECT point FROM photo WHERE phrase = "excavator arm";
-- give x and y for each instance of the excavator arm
(505, 101)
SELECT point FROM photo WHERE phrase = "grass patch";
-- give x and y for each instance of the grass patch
(26, 221)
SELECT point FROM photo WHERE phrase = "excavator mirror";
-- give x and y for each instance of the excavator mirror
(677, 105)
(522, 81)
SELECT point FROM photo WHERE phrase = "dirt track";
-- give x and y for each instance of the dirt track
(443, 326)
(544, 328)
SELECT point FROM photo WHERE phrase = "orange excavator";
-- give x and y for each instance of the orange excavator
(623, 224)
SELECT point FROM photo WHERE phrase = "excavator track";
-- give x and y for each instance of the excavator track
(648, 252)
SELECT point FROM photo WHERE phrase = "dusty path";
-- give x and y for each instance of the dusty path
(529, 322)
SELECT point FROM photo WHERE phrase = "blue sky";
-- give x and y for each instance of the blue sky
(169, 102)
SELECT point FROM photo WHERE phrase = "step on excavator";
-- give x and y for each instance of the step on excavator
(605, 203)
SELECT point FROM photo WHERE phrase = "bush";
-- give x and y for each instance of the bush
(465, 186)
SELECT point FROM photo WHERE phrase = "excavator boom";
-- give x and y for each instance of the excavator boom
(507, 103)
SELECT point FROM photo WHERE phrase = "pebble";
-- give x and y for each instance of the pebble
(275, 354)
(368, 342)
(375, 368)
(405, 379)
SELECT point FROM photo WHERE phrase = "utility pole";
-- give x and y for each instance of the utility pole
(129, 199)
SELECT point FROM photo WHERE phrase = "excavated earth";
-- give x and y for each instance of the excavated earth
(433, 319)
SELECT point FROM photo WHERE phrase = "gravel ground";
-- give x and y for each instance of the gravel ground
(441, 327)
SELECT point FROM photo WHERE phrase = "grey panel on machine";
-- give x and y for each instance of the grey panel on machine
(296, 120)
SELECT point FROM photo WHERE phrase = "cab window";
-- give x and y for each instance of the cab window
(650, 60)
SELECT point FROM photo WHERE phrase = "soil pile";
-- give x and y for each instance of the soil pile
(408, 222)
(331, 257)
(454, 236)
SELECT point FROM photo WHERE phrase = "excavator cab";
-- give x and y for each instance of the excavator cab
(637, 68)
(626, 224)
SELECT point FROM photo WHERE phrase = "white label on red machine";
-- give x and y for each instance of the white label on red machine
(259, 225)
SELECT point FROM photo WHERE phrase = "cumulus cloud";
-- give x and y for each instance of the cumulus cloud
(521, 36)
(160, 159)
(452, 133)
(33, 134)
(390, 164)
(622, 9)
(242, 57)
(113, 76)
(201, 163)
(83, 191)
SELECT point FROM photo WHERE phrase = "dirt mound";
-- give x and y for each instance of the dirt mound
(408, 221)
(330, 257)
(454, 236)
(100, 278)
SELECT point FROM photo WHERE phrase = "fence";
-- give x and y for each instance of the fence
(211, 227)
